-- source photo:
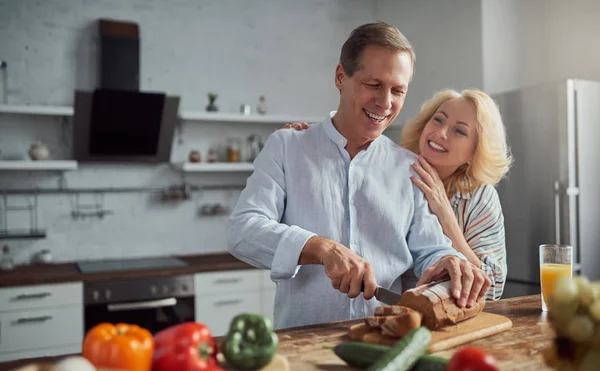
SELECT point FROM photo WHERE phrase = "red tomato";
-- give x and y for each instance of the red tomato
(472, 359)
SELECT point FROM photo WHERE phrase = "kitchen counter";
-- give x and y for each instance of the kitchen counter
(68, 272)
(516, 349)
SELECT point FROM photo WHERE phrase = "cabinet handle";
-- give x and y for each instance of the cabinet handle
(33, 319)
(228, 280)
(227, 302)
(33, 296)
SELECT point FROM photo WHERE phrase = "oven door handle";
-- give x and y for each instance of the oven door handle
(151, 304)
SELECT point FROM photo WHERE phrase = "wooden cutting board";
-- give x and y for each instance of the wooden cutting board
(478, 327)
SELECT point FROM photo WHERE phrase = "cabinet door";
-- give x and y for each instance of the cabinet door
(217, 311)
(41, 328)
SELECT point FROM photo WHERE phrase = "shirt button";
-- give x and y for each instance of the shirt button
(352, 165)
(352, 201)
(341, 141)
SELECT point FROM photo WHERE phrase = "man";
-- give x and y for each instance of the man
(331, 207)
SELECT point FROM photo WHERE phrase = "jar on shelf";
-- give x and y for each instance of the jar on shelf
(234, 147)
(212, 155)
(6, 262)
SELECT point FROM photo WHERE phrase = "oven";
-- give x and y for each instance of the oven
(153, 303)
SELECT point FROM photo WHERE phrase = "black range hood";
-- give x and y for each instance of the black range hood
(116, 122)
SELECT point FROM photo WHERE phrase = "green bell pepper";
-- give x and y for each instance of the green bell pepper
(250, 342)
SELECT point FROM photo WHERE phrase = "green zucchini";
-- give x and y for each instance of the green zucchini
(405, 353)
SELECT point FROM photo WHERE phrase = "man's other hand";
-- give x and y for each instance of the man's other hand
(469, 283)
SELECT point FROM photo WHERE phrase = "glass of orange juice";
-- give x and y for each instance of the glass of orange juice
(555, 261)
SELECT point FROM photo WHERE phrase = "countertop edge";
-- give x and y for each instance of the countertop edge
(28, 275)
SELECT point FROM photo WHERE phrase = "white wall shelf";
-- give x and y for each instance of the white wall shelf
(37, 110)
(219, 167)
(38, 165)
(199, 116)
(221, 117)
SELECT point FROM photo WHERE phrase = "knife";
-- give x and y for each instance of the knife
(384, 295)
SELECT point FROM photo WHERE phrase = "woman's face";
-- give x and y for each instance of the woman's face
(450, 136)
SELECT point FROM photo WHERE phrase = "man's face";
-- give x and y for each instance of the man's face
(372, 98)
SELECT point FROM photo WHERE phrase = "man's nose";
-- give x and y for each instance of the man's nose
(384, 100)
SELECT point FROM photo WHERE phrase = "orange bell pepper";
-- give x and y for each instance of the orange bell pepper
(121, 346)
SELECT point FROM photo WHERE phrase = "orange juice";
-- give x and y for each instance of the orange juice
(549, 273)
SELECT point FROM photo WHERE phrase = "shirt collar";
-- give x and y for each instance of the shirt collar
(336, 136)
(333, 133)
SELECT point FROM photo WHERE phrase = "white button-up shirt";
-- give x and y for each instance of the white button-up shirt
(305, 184)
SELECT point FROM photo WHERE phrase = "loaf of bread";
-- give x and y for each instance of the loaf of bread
(437, 305)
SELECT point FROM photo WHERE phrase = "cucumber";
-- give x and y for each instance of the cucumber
(405, 353)
(360, 355)
(430, 363)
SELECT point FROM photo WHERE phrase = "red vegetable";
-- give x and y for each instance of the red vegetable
(472, 359)
(185, 347)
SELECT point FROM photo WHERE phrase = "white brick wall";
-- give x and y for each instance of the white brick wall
(286, 50)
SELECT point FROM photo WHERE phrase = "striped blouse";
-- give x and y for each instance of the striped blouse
(480, 218)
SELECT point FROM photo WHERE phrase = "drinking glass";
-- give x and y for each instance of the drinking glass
(555, 261)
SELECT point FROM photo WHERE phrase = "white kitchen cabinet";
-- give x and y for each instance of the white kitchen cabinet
(222, 295)
(217, 310)
(41, 320)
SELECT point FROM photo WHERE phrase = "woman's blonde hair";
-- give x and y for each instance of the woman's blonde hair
(492, 157)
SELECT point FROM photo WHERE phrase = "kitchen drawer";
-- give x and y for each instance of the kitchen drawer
(217, 311)
(45, 352)
(228, 281)
(35, 329)
(40, 296)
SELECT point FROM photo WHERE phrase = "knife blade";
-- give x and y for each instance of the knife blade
(384, 295)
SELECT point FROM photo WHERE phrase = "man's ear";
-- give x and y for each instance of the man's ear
(340, 76)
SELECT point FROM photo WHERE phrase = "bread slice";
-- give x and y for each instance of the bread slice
(390, 310)
(437, 305)
(374, 321)
(375, 337)
(401, 325)
(358, 331)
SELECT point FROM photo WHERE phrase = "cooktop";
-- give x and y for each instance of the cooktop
(102, 266)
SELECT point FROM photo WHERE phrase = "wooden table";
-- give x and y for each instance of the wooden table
(516, 349)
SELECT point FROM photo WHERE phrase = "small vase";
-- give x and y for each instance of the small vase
(212, 107)
(39, 151)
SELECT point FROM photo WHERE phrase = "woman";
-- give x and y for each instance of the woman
(463, 154)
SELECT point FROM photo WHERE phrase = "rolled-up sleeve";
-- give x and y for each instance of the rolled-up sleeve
(255, 233)
(485, 235)
(426, 239)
